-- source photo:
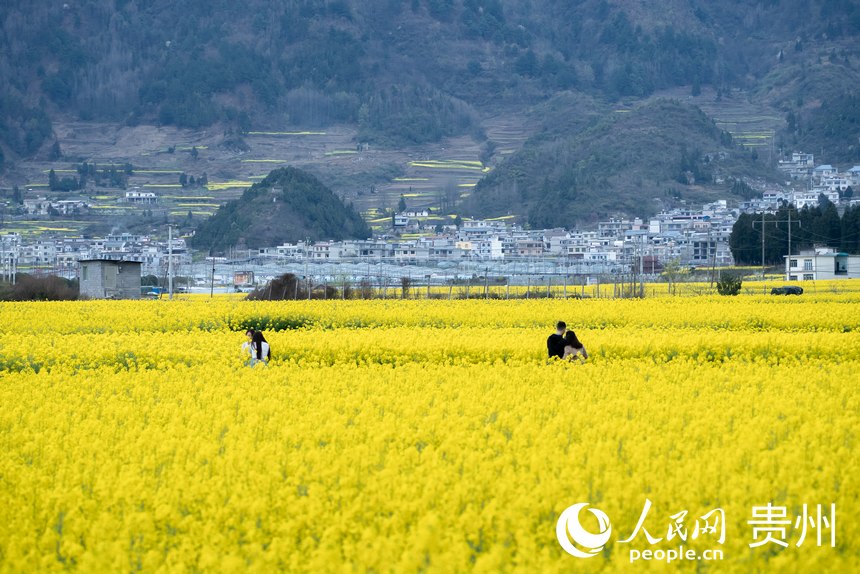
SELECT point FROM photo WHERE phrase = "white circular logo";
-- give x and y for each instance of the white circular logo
(568, 530)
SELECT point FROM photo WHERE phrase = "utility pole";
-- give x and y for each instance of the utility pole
(713, 255)
(775, 221)
(799, 223)
(762, 242)
(643, 242)
(170, 262)
(212, 280)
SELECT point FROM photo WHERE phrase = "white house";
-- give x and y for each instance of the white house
(410, 252)
(326, 251)
(291, 251)
(835, 183)
(802, 199)
(489, 248)
(823, 171)
(821, 263)
(140, 197)
(800, 165)
(853, 176)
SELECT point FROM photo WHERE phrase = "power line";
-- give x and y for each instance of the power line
(763, 233)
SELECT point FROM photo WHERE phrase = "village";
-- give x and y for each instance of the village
(692, 237)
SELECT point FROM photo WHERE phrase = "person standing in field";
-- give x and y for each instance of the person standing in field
(573, 348)
(555, 343)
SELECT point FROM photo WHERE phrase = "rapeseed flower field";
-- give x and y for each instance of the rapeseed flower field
(428, 436)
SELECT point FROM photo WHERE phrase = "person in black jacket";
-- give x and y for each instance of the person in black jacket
(555, 343)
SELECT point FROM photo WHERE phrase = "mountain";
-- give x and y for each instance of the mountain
(404, 71)
(289, 205)
(607, 164)
(409, 73)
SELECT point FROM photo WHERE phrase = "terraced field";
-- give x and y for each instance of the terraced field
(370, 177)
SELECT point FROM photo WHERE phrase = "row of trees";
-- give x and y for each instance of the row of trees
(113, 176)
(821, 225)
(186, 180)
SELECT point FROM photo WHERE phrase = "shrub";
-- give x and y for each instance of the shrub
(288, 286)
(729, 285)
(30, 288)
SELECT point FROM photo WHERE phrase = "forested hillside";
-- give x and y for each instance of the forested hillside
(566, 175)
(585, 78)
(289, 205)
(406, 72)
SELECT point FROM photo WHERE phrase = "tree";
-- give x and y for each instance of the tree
(56, 153)
(401, 205)
(17, 196)
(527, 64)
(791, 120)
(829, 227)
(745, 239)
(183, 179)
(149, 281)
(194, 153)
(53, 181)
(851, 230)
(673, 271)
(452, 193)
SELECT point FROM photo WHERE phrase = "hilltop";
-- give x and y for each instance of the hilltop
(666, 149)
(289, 205)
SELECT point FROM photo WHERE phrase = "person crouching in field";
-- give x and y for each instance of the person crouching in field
(573, 348)
(256, 348)
(555, 343)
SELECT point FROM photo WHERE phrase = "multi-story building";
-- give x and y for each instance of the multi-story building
(800, 166)
(821, 263)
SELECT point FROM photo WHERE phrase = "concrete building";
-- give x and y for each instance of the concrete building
(821, 263)
(110, 279)
(822, 171)
(800, 165)
(145, 197)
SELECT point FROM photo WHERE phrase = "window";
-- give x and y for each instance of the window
(792, 277)
(807, 264)
(84, 272)
(808, 276)
(792, 263)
